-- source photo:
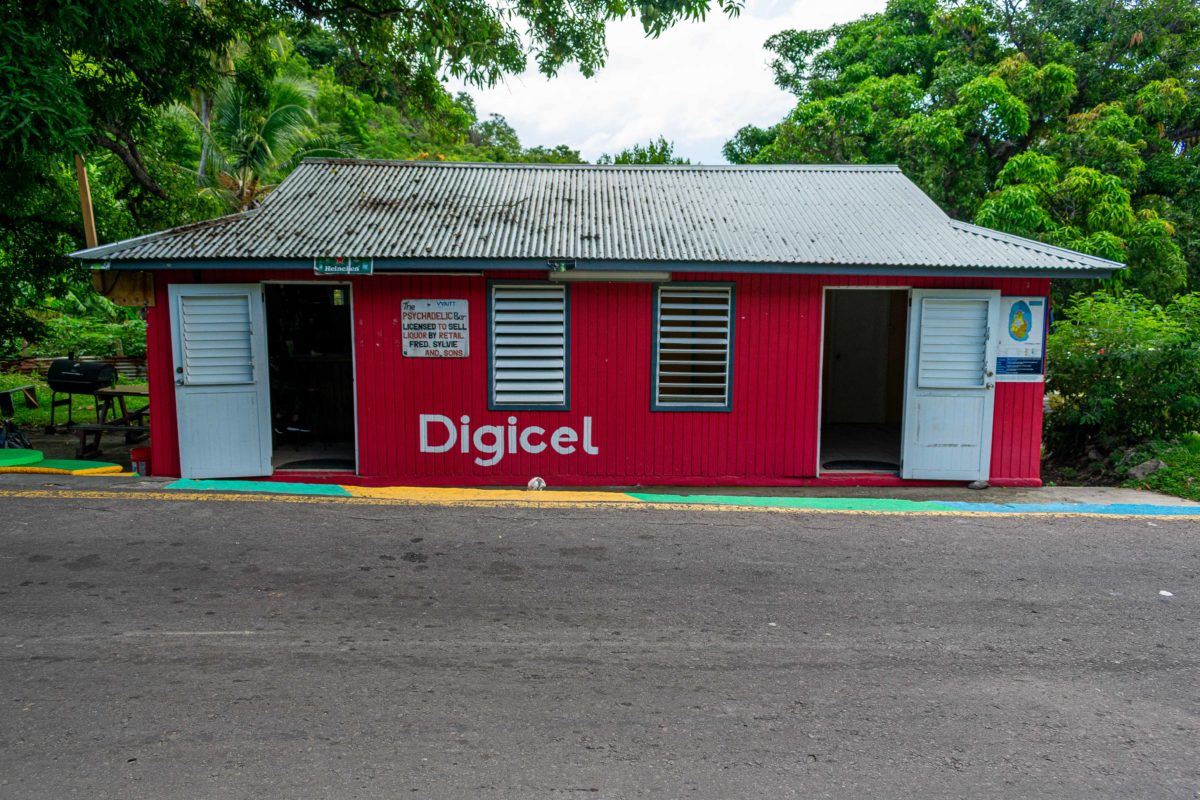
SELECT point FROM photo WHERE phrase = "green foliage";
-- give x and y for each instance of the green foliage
(1124, 370)
(249, 142)
(747, 143)
(656, 151)
(1076, 123)
(84, 336)
(398, 50)
(188, 110)
(38, 226)
(83, 75)
(1181, 476)
(1089, 211)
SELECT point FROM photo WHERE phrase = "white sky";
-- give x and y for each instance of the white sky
(696, 84)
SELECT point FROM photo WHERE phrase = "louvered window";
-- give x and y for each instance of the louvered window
(693, 347)
(953, 344)
(216, 340)
(529, 346)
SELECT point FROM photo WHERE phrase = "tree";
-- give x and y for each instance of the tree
(250, 145)
(1073, 121)
(656, 151)
(1090, 211)
(84, 74)
(89, 75)
(479, 41)
(495, 134)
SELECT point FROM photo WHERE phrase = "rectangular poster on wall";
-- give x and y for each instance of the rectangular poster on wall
(1021, 350)
(435, 328)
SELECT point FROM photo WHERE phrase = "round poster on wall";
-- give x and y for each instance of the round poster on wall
(1020, 321)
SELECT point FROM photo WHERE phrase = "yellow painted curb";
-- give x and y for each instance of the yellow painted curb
(455, 496)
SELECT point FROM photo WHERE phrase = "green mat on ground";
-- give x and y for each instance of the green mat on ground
(18, 458)
(31, 461)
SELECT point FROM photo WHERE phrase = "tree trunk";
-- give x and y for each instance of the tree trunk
(204, 112)
(126, 150)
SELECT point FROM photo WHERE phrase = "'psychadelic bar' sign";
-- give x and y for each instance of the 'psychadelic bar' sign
(435, 328)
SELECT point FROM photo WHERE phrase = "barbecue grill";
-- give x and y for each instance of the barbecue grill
(70, 377)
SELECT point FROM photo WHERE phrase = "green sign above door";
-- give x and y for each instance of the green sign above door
(343, 266)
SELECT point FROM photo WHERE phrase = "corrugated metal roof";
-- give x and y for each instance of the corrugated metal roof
(778, 215)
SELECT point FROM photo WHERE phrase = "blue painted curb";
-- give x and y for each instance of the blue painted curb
(1121, 509)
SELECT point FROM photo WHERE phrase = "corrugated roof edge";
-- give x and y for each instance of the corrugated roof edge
(1094, 262)
(101, 251)
(383, 162)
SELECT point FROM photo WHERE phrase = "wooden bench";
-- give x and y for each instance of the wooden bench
(133, 433)
(8, 406)
(113, 416)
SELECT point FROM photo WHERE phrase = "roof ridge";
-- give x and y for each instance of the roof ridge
(383, 162)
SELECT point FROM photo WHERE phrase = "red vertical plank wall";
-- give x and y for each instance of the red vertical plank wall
(164, 439)
(770, 436)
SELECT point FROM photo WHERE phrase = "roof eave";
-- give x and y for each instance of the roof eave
(1083, 259)
(104, 252)
(403, 265)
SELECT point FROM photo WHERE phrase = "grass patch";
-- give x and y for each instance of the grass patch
(37, 418)
(1181, 476)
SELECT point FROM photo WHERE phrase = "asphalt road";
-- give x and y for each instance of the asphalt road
(274, 650)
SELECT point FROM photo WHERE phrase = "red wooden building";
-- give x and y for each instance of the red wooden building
(443, 324)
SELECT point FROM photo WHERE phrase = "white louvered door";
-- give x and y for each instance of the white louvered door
(222, 398)
(529, 346)
(950, 391)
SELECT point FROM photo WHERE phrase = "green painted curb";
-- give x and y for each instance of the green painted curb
(260, 487)
(826, 503)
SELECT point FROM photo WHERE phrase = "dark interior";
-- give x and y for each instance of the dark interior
(312, 383)
(863, 379)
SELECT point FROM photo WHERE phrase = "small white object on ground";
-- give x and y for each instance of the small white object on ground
(1165, 593)
(772, 624)
(979, 485)
(536, 484)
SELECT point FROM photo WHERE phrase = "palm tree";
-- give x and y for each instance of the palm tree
(249, 146)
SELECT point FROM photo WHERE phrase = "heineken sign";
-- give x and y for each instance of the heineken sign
(343, 266)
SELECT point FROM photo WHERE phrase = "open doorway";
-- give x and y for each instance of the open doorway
(862, 397)
(310, 351)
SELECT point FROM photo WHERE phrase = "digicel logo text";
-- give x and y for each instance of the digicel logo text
(494, 441)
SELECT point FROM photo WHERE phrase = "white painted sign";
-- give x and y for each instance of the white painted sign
(440, 434)
(435, 328)
(1021, 349)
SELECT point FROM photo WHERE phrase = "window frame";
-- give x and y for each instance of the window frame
(491, 348)
(655, 336)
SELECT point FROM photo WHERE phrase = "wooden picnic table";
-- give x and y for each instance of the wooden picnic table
(110, 398)
(133, 424)
(8, 407)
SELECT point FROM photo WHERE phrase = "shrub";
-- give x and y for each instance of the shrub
(90, 337)
(1125, 370)
(1181, 476)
